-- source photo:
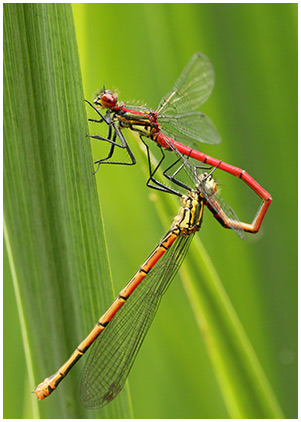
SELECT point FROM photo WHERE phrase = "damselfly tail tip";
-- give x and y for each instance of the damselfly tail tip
(45, 388)
(38, 391)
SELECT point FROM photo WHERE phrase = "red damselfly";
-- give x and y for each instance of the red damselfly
(173, 126)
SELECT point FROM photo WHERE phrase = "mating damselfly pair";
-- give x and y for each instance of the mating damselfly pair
(119, 333)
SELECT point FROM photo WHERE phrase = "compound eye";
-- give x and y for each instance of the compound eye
(108, 100)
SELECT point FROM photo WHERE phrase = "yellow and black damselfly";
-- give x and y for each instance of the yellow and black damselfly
(125, 324)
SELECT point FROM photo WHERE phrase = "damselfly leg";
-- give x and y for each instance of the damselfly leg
(113, 134)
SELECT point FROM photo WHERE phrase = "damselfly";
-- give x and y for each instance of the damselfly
(119, 333)
(173, 126)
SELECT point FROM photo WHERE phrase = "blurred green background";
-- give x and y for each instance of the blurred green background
(141, 49)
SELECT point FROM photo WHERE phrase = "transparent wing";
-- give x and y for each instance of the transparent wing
(195, 126)
(220, 206)
(113, 353)
(192, 88)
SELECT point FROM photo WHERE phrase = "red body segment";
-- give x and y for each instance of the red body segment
(175, 120)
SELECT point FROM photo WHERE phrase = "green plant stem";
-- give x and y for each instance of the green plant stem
(53, 228)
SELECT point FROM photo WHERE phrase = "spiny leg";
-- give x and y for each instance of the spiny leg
(123, 144)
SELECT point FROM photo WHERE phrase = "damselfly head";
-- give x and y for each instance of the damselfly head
(207, 184)
(106, 99)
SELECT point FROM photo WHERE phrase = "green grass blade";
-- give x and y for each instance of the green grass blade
(53, 229)
(243, 383)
